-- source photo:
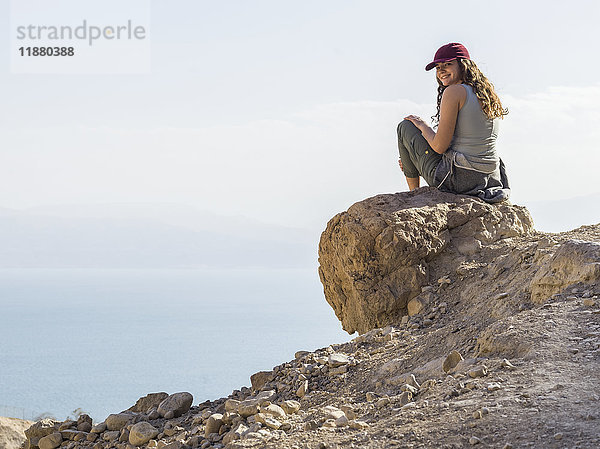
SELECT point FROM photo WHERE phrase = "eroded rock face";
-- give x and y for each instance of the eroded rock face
(374, 258)
(575, 261)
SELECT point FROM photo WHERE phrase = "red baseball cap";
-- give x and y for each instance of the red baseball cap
(448, 52)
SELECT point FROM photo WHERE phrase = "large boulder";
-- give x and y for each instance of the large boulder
(118, 421)
(148, 402)
(141, 433)
(39, 430)
(375, 257)
(175, 405)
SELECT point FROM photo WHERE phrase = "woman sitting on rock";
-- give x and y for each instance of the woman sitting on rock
(461, 156)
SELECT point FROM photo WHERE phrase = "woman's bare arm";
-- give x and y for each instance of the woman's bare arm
(452, 100)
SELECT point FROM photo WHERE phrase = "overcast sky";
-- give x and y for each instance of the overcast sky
(286, 111)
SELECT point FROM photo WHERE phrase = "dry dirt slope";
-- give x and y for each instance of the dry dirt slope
(11, 432)
(501, 348)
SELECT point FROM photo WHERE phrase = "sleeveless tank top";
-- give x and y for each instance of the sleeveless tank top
(474, 138)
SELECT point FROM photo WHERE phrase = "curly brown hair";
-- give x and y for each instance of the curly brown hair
(482, 87)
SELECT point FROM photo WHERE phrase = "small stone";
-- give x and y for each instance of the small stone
(148, 403)
(110, 435)
(247, 408)
(300, 354)
(494, 387)
(506, 364)
(558, 436)
(173, 430)
(480, 371)
(451, 361)
(290, 406)
(84, 427)
(173, 445)
(235, 434)
(500, 296)
(405, 319)
(194, 441)
(444, 280)
(118, 420)
(231, 405)
(302, 390)
(338, 371)
(349, 411)
(153, 415)
(273, 410)
(415, 306)
(477, 414)
(51, 441)
(407, 387)
(411, 380)
(589, 302)
(471, 385)
(258, 380)
(213, 424)
(507, 446)
(124, 437)
(358, 425)
(329, 423)
(268, 421)
(474, 440)
(382, 402)
(405, 398)
(332, 412)
(141, 433)
(371, 396)
(311, 425)
(66, 425)
(336, 359)
(177, 404)
(99, 428)
(342, 421)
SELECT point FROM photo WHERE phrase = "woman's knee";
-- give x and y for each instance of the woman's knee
(405, 128)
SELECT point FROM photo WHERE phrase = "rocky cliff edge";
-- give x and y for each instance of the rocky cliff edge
(475, 330)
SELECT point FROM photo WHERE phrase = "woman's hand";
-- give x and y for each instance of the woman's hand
(417, 121)
(428, 133)
(400, 164)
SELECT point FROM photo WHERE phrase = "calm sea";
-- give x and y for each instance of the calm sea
(100, 339)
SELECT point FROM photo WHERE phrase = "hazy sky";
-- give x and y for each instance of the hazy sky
(286, 111)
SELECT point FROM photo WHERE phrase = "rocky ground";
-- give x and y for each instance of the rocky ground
(11, 432)
(492, 340)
